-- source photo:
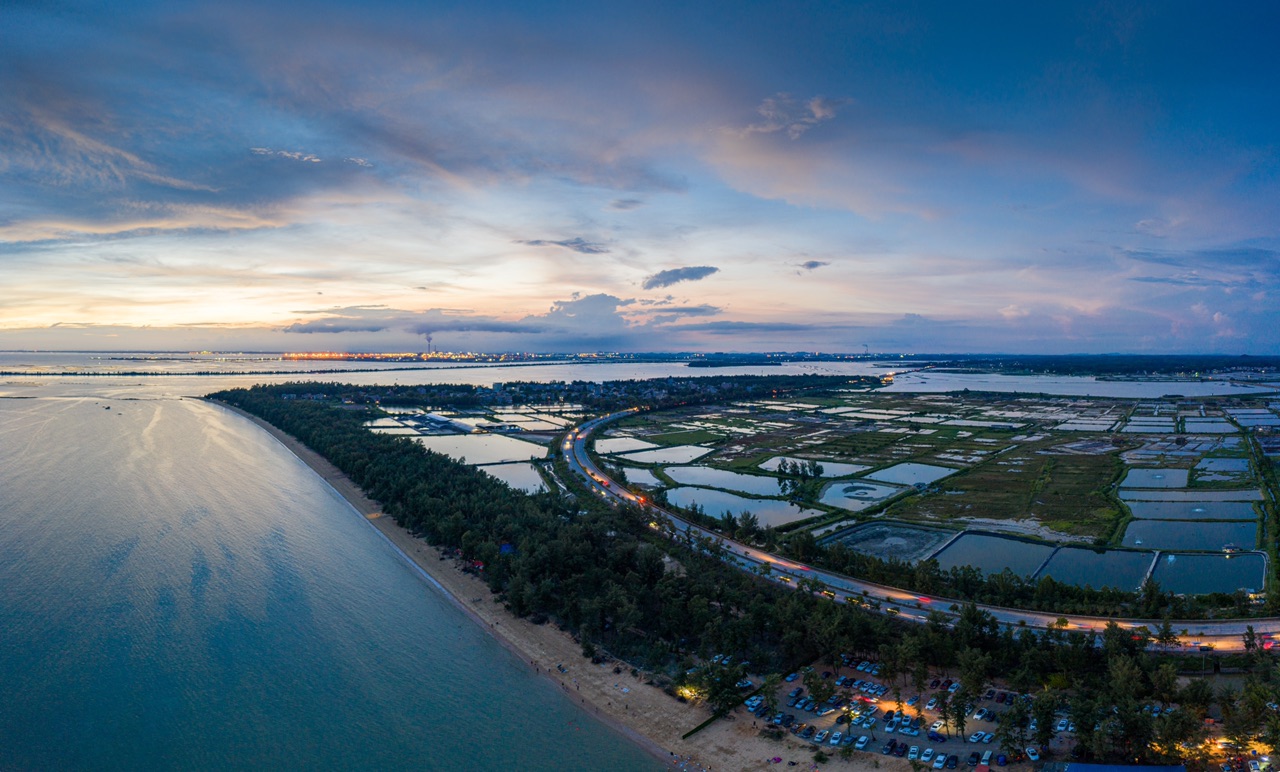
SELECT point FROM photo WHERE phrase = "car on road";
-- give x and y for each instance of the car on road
(940, 762)
(1033, 753)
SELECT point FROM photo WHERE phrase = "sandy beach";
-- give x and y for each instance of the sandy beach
(639, 711)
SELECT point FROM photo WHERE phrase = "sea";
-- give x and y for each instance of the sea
(178, 591)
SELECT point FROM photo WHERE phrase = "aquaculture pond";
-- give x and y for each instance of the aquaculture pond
(1155, 478)
(857, 495)
(622, 445)
(1108, 568)
(829, 468)
(716, 503)
(521, 476)
(1252, 494)
(1164, 535)
(1190, 574)
(676, 454)
(758, 485)
(642, 477)
(912, 474)
(483, 448)
(993, 554)
(1192, 510)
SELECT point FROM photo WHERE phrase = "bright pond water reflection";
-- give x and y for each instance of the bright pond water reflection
(758, 485)
(715, 503)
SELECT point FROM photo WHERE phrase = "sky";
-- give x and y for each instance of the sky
(925, 177)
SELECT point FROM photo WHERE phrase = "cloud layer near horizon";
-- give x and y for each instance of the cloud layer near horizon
(910, 177)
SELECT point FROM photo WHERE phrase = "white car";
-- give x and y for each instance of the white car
(914, 753)
(926, 754)
(862, 742)
(976, 737)
(1062, 725)
(953, 688)
(940, 761)
(835, 738)
(821, 736)
(1033, 754)
(932, 704)
(988, 737)
(937, 726)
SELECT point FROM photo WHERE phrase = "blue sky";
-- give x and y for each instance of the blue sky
(926, 177)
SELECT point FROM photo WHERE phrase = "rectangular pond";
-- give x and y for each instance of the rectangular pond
(993, 554)
(856, 495)
(1246, 494)
(622, 445)
(1192, 510)
(829, 468)
(715, 503)
(912, 474)
(521, 476)
(758, 485)
(483, 448)
(1106, 568)
(1229, 465)
(1155, 478)
(891, 540)
(676, 454)
(642, 477)
(1189, 574)
(1165, 535)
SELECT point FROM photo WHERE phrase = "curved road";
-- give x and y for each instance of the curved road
(1221, 635)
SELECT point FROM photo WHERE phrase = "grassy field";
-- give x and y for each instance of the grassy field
(1067, 493)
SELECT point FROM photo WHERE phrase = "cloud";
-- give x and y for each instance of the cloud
(782, 113)
(675, 275)
(624, 204)
(292, 155)
(810, 265)
(577, 244)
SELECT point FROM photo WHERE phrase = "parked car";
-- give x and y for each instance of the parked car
(953, 761)
(936, 726)
(976, 737)
(987, 738)
(973, 759)
(1062, 726)
(888, 747)
(914, 753)
(991, 694)
(861, 744)
(835, 738)
(926, 755)
(940, 761)
(934, 684)
(932, 704)
(820, 736)
(1033, 754)
(791, 677)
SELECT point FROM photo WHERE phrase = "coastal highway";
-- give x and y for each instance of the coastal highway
(1221, 635)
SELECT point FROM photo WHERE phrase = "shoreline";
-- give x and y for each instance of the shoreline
(659, 721)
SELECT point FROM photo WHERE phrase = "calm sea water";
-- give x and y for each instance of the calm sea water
(178, 591)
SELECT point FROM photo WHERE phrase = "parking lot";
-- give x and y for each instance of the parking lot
(863, 715)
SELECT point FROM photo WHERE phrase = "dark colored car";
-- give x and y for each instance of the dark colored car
(973, 759)
(901, 750)
(991, 694)
(933, 685)
(889, 747)
(953, 761)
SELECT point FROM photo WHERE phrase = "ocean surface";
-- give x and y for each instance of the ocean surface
(178, 591)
